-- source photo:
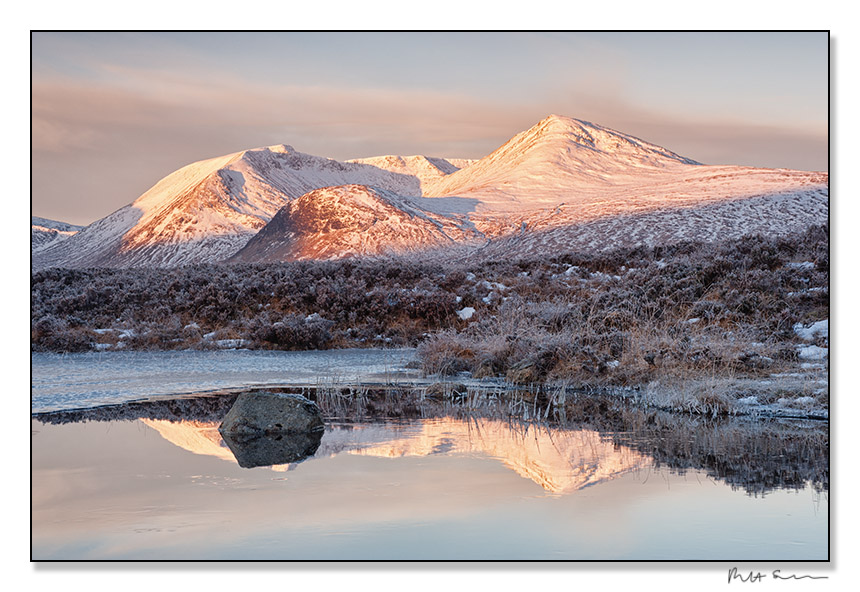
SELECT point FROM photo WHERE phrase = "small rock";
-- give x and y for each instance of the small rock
(655, 358)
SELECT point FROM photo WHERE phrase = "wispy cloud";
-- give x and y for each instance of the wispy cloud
(127, 138)
(106, 127)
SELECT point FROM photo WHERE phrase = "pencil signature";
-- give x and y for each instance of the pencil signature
(759, 576)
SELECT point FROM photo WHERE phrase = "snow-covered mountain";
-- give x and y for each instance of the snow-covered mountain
(45, 232)
(563, 173)
(559, 160)
(564, 183)
(425, 168)
(208, 210)
(352, 220)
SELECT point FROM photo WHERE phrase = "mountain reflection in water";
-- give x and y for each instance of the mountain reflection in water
(588, 440)
(560, 461)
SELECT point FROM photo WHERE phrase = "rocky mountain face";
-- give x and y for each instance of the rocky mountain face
(562, 184)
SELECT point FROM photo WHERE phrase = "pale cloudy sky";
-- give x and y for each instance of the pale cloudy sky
(112, 113)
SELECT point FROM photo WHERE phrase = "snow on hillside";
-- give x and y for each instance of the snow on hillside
(208, 210)
(426, 169)
(710, 221)
(559, 159)
(351, 220)
(45, 233)
(566, 177)
(575, 164)
(686, 190)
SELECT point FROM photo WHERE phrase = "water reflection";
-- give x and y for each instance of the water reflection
(203, 437)
(586, 441)
(268, 450)
(559, 460)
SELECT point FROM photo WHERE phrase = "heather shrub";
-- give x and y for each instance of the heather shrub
(295, 332)
(625, 315)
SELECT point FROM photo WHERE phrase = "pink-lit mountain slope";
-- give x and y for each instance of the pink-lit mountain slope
(351, 220)
(206, 211)
(559, 160)
(562, 184)
(565, 172)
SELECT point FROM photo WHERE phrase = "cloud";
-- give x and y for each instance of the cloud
(706, 138)
(242, 110)
(98, 146)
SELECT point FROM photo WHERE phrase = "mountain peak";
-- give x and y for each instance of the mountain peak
(579, 132)
(281, 148)
(209, 210)
(539, 167)
(349, 220)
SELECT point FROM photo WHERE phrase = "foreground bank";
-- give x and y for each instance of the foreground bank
(694, 318)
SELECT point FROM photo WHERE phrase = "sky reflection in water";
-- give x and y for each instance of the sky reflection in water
(442, 488)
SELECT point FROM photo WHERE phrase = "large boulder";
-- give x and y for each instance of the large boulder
(264, 413)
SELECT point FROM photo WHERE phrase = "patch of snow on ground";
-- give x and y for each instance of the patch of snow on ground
(811, 366)
(230, 343)
(466, 313)
(812, 352)
(811, 332)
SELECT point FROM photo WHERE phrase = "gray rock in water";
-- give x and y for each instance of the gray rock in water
(257, 414)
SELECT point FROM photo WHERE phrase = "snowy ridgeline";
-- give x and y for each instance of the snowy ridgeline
(564, 183)
(45, 233)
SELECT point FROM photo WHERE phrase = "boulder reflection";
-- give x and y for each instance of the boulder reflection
(563, 448)
(268, 450)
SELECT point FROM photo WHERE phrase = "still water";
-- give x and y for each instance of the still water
(400, 475)
(435, 488)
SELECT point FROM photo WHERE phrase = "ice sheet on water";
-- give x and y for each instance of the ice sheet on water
(73, 381)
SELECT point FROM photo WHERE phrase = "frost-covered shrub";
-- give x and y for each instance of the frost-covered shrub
(591, 309)
(446, 353)
(296, 332)
(50, 333)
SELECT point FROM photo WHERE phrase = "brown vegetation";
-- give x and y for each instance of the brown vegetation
(626, 317)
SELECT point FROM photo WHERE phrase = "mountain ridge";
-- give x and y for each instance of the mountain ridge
(45, 232)
(561, 172)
